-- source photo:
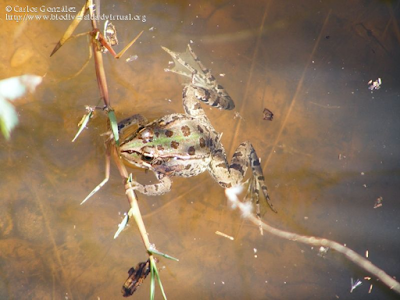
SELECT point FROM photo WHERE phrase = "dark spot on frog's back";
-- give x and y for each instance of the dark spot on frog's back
(202, 143)
(168, 133)
(200, 129)
(185, 130)
(174, 145)
(191, 150)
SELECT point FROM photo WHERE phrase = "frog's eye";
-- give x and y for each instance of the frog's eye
(147, 158)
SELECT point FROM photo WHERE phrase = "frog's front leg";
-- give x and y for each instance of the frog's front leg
(135, 119)
(233, 174)
(164, 186)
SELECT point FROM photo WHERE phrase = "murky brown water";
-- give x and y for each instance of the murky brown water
(330, 152)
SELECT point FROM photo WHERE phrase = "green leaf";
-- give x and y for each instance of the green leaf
(114, 126)
(152, 282)
(122, 226)
(159, 282)
(154, 251)
(83, 123)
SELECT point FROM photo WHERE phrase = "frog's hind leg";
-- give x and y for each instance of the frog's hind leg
(204, 84)
(219, 97)
(187, 71)
(244, 156)
(209, 91)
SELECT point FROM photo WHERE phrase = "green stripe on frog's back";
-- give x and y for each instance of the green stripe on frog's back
(176, 135)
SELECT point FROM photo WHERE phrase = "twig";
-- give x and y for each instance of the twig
(98, 59)
(360, 261)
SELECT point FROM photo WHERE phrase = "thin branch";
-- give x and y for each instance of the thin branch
(357, 259)
(98, 58)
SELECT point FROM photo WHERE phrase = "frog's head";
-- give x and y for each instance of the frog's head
(142, 158)
(139, 149)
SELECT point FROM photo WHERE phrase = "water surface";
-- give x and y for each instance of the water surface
(331, 150)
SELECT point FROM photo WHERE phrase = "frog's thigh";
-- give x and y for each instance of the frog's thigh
(219, 169)
(243, 156)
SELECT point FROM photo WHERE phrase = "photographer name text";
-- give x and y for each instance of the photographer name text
(43, 9)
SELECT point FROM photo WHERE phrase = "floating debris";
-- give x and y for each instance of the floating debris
(237, 115)
(224, 235)
(322, 251)
(132, 58)
(110, 35)
(374, 85)
(378, 202)
(268, 115)
(354, 285)
(255, 252)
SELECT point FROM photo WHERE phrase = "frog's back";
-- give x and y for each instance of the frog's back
(176, 145)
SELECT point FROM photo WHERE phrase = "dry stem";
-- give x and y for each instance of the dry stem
(314, 241)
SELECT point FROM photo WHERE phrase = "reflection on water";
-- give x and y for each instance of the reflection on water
(329, 153)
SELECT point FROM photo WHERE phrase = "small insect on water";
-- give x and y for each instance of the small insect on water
(374, 85)
(378, 202)
(268, 115)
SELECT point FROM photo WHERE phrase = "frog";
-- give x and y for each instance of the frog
(186, 144)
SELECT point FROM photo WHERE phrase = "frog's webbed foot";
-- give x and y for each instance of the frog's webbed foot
(244, 156)
(206, 88)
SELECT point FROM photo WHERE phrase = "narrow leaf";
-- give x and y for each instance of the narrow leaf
(70, 30)
(95, 190)
(154, 251)
(159, 282)
(152, 282)
(114, 126)
(122, 226)
(82, 124)
(128, 46)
